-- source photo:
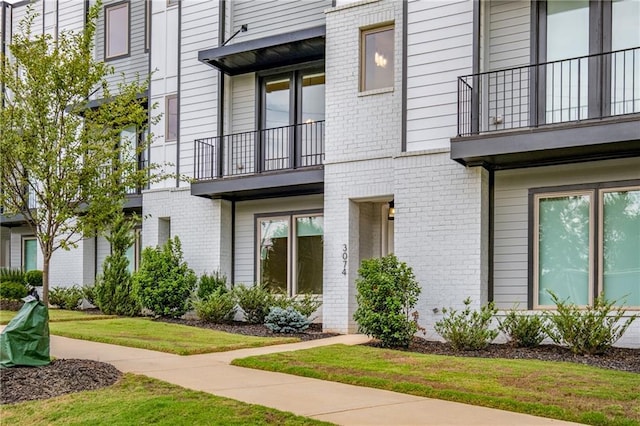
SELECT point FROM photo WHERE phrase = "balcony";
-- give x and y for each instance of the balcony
(556, 112)
(260, 164)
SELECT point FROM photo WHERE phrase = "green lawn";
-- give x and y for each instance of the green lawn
(139, 400)
(145, 333)
(57, 315)
(550, 389)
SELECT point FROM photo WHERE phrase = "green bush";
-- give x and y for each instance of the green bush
(526, 331)
(114, 289)
(89, 293)
(387, 292)
(305, 303)
(10, 274)
(286, 320)
(66, 297)
(13, 290)
(255, 302)
(216, 307)
(590, 330)
(33, 278)
(209, 284)
(467, 330)
(164, 281)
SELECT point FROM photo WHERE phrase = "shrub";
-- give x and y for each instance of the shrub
(10, 305)
(89, 293)
(255, 302)
(209, 284)
(164, 281)
(523, 330)
(33, 278)
(65, 297)
(590, 330)
(286, 320)
(216, 307)
(114, 289)
(387, 291)
(305, 303)
(467, 330)
(13, 290)
(10, 274)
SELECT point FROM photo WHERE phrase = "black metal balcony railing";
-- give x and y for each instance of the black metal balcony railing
(587, 87)
(280, 148)
(137, 190)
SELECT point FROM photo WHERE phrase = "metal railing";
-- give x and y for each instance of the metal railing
(280, 148)
(586, 87)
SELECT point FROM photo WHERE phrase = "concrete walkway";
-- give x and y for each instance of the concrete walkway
(329, 401)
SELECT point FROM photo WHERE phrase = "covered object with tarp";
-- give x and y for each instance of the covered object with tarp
(25, 341)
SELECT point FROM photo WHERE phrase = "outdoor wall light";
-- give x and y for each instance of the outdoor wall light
(392, 211)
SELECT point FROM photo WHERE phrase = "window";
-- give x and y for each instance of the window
(293, 109)
(29, 254)
(147, 25)
(579, 88)
(116, 31)
(376, 58)
(172, 118)
(586, 242)
(290, 253)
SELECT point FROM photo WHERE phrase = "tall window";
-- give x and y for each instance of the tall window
(579, 88)
(116, 29)
(290, 250)
(376, 58)
(172, 118)
(292, 119)
(570, 244)
(29, 254)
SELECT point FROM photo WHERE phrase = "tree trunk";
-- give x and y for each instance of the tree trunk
(45, 279)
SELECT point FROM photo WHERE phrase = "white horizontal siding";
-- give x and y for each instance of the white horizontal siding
(509, 33)
(198, 81)
(70, 15)
(439, 49)
(511, 232)
(269, 17)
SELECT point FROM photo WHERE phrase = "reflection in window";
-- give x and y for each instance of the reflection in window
(621, 246)
(172, 118)
(564, 232)
(116, 30)
(376, 66)
(309, 248)
(274, 259)
(29, 254)
(625, 79)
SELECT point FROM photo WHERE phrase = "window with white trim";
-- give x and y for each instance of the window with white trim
(290, 252)
(116, 29)
(587, 242)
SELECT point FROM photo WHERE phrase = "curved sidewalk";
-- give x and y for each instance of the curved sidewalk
(319, 399)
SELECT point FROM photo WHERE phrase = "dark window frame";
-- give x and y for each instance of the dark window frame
(105, 11)
(596, 188)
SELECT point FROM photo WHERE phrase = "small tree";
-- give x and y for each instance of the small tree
(164, 281)
(114, 290)
(387, 292)
(63, 165)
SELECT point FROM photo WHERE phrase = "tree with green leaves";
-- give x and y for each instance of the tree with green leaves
(59, 150)
(114, 289)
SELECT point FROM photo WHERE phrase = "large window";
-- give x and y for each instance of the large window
(579, 88)
(587, 242)
(116, 29)
(292, 119)
(376, 58)
(290, 250)
(29, 254)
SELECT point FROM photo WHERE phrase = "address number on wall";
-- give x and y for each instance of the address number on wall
(345, 256)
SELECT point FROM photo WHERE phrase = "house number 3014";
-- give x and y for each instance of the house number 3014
(345, 256)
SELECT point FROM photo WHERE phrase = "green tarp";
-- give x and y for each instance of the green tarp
(25, 341)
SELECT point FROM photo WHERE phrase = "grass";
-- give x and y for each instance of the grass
(56, 315)
(139, 400)
(557, 390)
(145, 333)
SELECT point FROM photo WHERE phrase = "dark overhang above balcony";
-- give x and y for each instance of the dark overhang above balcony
(615, 137)
(267, 52)
(12, 221)
(305, 181)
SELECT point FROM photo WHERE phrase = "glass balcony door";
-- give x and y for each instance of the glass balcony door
(277, 118)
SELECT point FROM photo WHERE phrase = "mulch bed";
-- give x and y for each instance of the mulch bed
(61, 377)
(622, 359)
(237, 327)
